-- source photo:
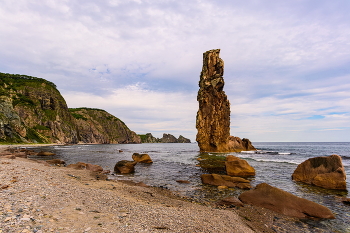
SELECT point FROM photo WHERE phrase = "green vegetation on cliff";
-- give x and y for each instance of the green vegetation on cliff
(33, 110)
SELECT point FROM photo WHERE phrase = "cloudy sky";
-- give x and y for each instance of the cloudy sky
(287, 63)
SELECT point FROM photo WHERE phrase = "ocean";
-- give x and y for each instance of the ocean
(274, 164)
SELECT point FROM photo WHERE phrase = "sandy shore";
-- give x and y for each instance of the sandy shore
(35, 197)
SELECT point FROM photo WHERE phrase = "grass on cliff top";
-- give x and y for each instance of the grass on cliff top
(16, 80)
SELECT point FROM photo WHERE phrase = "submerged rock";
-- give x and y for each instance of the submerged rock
(225, 180)
(213, 116)
(326, 172)
(280, 201)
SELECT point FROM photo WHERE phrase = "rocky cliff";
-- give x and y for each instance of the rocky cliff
(98, 126)
(33, 110)
(167, 138)
(213, 116)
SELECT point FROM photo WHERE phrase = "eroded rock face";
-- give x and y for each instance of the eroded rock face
(213, 116)
(280, 201)
(326, 172)
(225, 180)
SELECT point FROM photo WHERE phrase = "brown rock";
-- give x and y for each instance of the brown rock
(45, 153)
(283, 202)
(229, 201)
(326, 172)
(213, 116)
(142, 158)
(238, 167)
(93, 167)
(21, 155)
(56, 162)
(183, 181)
(78, 166)
(125, 167)
(8, 156)
(224, 180)
(346, 200)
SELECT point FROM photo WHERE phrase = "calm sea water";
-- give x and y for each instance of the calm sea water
(274, 164)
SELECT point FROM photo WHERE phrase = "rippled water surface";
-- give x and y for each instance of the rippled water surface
(274, 164)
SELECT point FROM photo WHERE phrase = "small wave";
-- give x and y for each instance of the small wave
(284, 153)
(277, 161)
(345, 157)
(248, 152)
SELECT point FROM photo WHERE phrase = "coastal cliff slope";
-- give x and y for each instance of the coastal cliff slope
(32, 110)
(98, 126)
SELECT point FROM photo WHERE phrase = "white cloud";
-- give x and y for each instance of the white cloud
(283, 61)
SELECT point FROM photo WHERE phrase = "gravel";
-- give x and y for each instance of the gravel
(38, 198)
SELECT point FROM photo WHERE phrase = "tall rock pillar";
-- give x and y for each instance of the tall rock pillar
(213, 116)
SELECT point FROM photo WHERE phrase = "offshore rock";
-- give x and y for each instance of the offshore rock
(167, 138)
(213, 116)
(326, 172)
(141, 158)
(280, 201)
(238, 167)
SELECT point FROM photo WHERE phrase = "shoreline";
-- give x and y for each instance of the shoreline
(41, 198)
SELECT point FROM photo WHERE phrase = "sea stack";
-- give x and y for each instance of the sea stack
(213, 116)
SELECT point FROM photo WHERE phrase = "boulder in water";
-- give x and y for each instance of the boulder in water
(125, 167)
(238, 167)
(142, 158)
(326, 172)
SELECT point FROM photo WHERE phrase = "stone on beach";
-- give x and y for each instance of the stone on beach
(142, 158)
(87, 166)
(125, 167)
(231, 200)
(225, 180)
(56, 161)
(267, 196)
(326, 172)
(238, 167)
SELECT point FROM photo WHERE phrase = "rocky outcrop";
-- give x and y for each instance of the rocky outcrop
(225, 180)
(280, 201)
(32, 110)
(238, 167)
(167, 138)
(141, 158)
(182, 139)
(326, 172)
(125, 167)
(213, 116)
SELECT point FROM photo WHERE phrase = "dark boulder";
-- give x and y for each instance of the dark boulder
(125, 167)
